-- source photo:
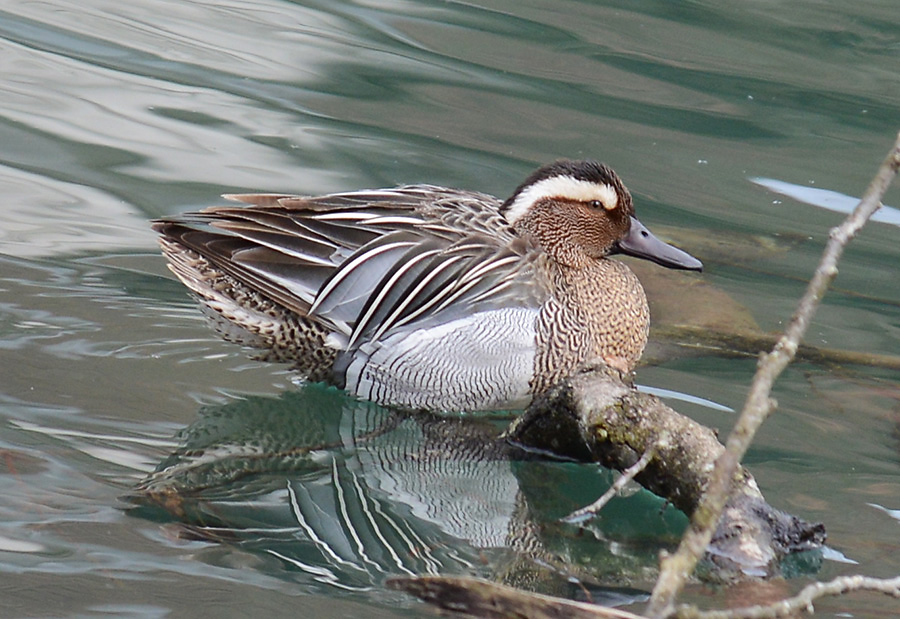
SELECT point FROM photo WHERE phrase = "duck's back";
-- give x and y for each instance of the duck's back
(418, 296)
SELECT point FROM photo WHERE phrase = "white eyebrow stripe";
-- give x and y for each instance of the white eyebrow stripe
(561, 187)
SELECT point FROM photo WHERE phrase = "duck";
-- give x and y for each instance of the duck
(427, 297)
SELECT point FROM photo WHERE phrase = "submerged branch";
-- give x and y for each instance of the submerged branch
(745, 343)
(677, 568)
(488, 600)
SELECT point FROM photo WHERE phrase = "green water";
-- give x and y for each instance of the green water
(114, 113)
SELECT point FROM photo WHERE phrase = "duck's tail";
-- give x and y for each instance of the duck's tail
(246, 316)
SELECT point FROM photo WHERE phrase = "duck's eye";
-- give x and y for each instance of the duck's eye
(596, 204)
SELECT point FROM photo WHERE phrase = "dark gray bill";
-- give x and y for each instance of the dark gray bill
(641, 243)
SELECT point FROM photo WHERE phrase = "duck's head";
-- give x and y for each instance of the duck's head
(581, 210)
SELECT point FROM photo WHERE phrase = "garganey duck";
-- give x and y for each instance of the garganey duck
(427, 297)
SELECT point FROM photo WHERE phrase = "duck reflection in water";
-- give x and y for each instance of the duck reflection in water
(331, 491)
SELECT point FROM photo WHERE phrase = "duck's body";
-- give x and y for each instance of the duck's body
(428, 297)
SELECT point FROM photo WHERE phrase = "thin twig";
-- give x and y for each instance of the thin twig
(627, 475)
(802, 602)
(675, 569)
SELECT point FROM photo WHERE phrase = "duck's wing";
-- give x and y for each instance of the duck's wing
(452, 330)
(363, 262)
(434, 284)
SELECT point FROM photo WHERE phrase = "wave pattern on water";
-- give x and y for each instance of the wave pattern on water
(113, 113)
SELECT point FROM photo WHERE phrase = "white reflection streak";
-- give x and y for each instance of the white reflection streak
(321, 574)
(376, 529)
(120, 456)
(684, 397)
(59, 432)
(827, 199)
(830, 554)
(311, 533)
(346, 517)
(893, 513)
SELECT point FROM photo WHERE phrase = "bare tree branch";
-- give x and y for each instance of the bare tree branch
(802, 602)
(627, 475)
(675, 569)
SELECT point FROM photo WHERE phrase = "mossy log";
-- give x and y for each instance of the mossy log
(598, 415)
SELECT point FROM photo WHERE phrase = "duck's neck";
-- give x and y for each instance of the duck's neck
(597, 314)
(553, 232)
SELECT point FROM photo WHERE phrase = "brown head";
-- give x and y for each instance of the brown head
(580, 211)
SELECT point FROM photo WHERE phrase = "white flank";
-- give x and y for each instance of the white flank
(561, 187)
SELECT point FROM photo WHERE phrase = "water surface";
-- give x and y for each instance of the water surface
(112, 114)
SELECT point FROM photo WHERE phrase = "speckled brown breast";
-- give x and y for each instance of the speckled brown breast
(599, 312)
